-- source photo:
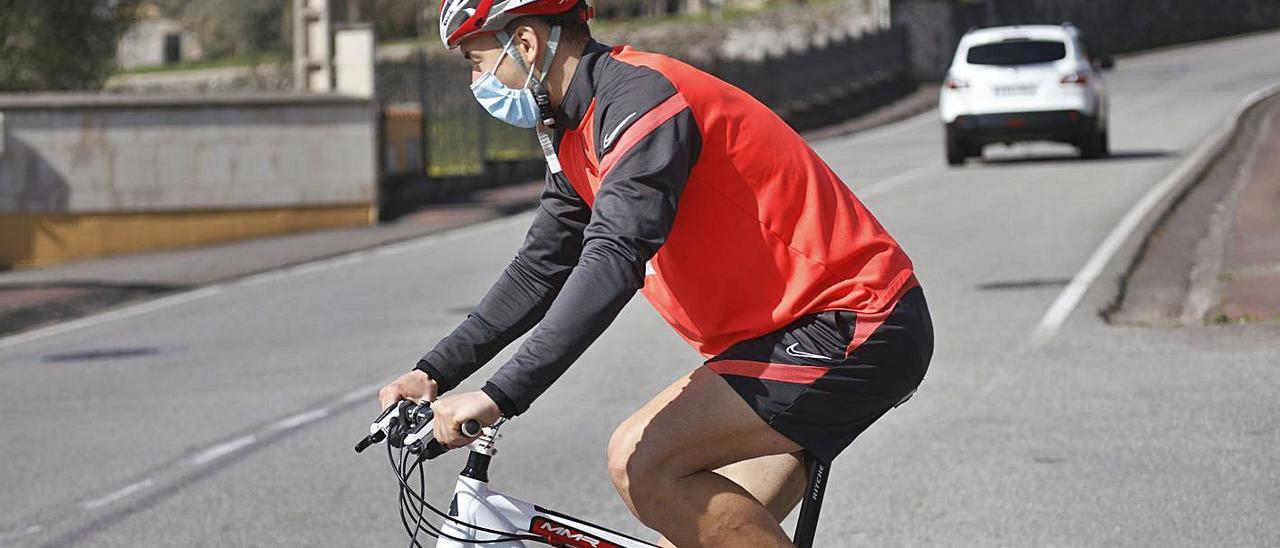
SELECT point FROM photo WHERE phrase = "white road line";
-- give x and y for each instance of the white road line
(266, 277)
(263, 435)
(883, 186)
(120, 494)
(110, 316)
(289, 423)
(221, 450)
(364, 392)
(1071, 295)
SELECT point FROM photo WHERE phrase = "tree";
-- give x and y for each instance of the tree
(60, 44)
(392, 19)
(233, 27)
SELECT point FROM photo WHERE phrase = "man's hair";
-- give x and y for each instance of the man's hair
(573, 25)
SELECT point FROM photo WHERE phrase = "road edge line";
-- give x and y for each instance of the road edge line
(1152, 204)
(257, 278)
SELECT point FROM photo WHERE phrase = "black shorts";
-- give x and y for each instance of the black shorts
(823, 379)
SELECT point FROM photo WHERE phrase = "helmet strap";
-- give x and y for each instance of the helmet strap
(540, 95)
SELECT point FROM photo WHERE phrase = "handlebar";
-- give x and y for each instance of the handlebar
(408, 424)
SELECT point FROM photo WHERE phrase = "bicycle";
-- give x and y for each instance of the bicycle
(478, 515)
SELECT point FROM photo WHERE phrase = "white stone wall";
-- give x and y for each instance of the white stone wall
(755, 36)
(95, 154)
(143, 44)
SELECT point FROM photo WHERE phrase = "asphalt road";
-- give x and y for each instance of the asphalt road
(226, 417)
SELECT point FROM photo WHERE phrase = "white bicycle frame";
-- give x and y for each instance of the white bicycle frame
(476, 504)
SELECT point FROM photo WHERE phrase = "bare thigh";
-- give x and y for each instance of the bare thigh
(777, 481)
(697, 424)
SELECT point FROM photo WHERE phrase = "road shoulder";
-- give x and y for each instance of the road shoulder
(1200, 262)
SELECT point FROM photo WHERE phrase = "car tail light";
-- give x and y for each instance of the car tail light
(1078, 78)
(955, 83)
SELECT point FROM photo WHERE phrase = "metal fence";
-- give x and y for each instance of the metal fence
(818, 86)
(436, 141)
(420, 98)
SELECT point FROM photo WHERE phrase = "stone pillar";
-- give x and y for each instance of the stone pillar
(312, 46)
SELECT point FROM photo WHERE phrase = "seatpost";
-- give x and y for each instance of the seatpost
(807, 525)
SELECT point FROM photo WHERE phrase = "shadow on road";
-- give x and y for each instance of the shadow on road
(1116, 156)
(27, 305)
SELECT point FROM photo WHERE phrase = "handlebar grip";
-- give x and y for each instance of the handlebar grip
(471, 428)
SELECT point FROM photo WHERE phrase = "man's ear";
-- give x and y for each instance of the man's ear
(526, 42)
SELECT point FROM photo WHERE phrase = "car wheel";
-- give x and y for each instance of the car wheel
(955, 150)
(973, 150)
(1104, 144)
(1091, 147)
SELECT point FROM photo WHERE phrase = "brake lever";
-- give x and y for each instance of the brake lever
(378, 430)
(409, 425)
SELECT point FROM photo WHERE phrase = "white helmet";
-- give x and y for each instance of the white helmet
(461, 19)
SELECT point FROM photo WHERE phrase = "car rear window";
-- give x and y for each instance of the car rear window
(1021, 52)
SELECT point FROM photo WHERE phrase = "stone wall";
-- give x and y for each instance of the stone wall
(935, 26)
(1116, 27)
(119, 159)
(755, 36)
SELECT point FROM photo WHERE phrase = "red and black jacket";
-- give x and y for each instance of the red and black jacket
(687, 188)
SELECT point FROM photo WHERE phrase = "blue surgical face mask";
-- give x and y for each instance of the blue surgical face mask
(513, 106)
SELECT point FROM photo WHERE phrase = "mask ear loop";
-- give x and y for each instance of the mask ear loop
(506, 40)
(494, 70)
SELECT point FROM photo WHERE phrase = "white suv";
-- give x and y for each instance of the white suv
(1023, 83)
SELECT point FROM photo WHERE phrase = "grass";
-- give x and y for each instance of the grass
(605, 27)
(222, 62)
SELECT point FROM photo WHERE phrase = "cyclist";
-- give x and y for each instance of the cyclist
(665, 180)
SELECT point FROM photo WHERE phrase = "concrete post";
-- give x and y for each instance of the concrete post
(312, 46)
(353, 52)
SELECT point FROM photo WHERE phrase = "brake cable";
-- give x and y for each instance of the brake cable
(414, 497)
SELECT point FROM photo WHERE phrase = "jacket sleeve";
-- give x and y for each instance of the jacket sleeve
(523, 292)
(631, 217)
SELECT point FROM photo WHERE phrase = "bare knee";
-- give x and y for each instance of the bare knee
(621, 446)
(637, 474)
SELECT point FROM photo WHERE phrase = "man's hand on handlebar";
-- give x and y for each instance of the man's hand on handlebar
(452, 411)
(414, 385)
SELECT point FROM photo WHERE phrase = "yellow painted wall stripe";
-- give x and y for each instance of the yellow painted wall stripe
(43, 239)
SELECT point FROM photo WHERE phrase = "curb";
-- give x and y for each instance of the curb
(1204, 291)
(1177, 184)
(266, 276)
(1145, 214)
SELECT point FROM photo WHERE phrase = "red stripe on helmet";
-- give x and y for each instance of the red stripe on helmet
(545, 7)
(472, 24)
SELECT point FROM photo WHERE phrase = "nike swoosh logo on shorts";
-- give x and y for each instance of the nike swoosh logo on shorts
(801, 354)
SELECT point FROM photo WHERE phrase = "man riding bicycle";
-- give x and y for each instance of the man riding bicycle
(665, 180)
